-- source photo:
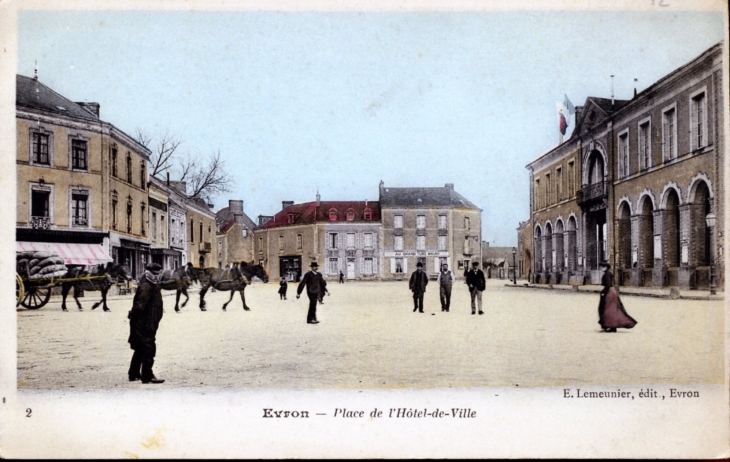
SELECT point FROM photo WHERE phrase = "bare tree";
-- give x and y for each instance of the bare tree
(163, 153)
(205, 181)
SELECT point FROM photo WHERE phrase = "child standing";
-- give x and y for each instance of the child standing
(282, 289)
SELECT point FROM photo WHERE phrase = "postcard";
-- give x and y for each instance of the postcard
(417, 229)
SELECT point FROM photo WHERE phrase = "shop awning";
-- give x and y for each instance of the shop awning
(72, 254)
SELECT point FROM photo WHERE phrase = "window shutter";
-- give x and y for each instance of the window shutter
(448, 262)
(392, 265)
(339, 241)
(405, 265)
(339, 264)
(436, 264)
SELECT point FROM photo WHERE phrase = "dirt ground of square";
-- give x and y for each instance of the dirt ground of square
(370, 338)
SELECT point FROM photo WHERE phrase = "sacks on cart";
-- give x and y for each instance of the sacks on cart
(40, 264)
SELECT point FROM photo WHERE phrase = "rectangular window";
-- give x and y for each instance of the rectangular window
(538, 203)
(153, 231)
(143, 220)
(192, 230)
(420, 242)
(162, 228)
(350, 240)
(669, 134)
(368, 240)
(645, 145)
(467, 247)
(299, 242)
(398, 265)
(442, 242)
(398, 221)
(114, 214)
(421, 221)
(129, 217)
(40, 149)
(333, 267)
(623, 154)
(114, 162)
(78, 155)
(41, 202)
(398, 242)
(368, 266)
(559, 181)
(142, 176)
(281, 243)
(333, 240)
(571, 178)
(442, 221)
(699, 124)
(548, 191)
(467, 223)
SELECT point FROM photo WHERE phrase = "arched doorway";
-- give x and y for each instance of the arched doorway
(549, 252)
(702, 207)
(538, 251)
(671, 231)
(572, 244)
(594, 201)
(646, 233)
(560, 256)
(623, 240)
(201, 262)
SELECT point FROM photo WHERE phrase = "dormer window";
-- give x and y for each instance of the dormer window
(368, 215)
(333, 215)
(290, 218)
(350, 214)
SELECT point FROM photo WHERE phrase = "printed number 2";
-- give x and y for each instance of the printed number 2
(28, 412)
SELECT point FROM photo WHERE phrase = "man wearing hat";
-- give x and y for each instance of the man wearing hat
(477, 283)
(316, 286)
(144, 318)
(417, 284)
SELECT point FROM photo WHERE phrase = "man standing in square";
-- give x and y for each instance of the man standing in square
(144, 319)
(445, 280)
(316, 287)
(417, 284)
(477, 283)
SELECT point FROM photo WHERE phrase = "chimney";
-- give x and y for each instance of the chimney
(285, 204)
(450, 186)
(611, 90)
(235, 207)
(263, 219)
(168, 179)
(93, 108)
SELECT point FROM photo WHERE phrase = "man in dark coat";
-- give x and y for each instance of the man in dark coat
(144, 318)
(417, 284)
(477, 283)
(316, 288)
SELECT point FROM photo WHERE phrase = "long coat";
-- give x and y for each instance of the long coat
(418, 284)
(314, 282)
(611, 312)
(475, 279)
(145, 316)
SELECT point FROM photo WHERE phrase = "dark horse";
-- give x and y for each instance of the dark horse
(179, 280)
(99, 277)
(234, 279)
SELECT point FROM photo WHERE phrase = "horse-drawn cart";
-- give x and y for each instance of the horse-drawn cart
(34, 292)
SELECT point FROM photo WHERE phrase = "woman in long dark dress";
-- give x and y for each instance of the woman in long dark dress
(611, 312)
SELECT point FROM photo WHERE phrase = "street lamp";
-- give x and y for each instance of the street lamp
(711, 219)
(514, 264)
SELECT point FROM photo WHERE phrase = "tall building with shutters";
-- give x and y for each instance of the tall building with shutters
(434, 226)
(339, 235)
(81, 182)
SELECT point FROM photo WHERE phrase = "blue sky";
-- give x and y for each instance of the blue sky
(338, 101)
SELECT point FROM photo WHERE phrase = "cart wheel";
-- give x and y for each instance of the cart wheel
(19, 289)
(36, 297)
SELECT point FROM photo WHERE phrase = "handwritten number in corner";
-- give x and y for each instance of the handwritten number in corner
(28, 412)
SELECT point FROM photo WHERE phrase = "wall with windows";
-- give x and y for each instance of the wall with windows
(353, 248)
(271, 245)
(201, 235)
(59, 177)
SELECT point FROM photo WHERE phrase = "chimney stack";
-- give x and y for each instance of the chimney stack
(612, 90)
(285, 204)
(93, 108)
(168, 179)
(450, 186)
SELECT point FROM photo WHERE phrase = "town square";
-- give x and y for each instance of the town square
(278, 212)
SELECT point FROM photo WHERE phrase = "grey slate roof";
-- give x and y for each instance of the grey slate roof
(32, 94)
(225, 215)
(423, 197)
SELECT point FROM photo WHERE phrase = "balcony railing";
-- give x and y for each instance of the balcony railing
(205, 247)
(593, 192)
(40, 222)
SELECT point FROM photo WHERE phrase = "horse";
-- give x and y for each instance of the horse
(101, 277)
(179, 280)
(234, 279)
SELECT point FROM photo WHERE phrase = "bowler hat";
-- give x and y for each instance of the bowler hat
(419, 264)
(314, 265)
(605, 264)
(475, 263)
(154, 267)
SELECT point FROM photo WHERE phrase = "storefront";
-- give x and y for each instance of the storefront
(290, 268)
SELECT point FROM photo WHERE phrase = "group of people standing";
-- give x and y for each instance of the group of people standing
(475, 280)
(147, 310)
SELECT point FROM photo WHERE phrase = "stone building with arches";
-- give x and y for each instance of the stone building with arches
(634, 184)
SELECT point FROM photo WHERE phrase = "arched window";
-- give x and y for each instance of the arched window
(350, 214)
(368, 215)
(595, 171)
(333, 215)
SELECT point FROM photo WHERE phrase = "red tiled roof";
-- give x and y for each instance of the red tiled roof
(312, 212)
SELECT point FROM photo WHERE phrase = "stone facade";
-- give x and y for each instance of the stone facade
(633, 186)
